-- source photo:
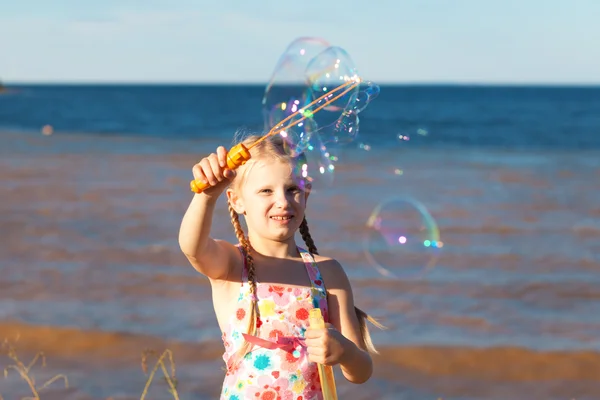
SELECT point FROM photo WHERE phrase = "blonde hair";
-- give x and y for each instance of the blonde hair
(275, 148)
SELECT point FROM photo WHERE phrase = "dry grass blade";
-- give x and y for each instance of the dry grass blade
(160, 363)
(24, 371)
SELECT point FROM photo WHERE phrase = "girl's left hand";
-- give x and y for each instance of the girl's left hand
(325, 346)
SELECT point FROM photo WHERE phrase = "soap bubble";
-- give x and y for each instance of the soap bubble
(402, 240)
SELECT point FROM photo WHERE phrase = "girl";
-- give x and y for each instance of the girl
(264, 287)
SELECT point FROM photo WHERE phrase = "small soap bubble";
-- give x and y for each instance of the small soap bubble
(315, 166)
(402, 239)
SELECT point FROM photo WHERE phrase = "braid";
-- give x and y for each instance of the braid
(310, 243)
(362, 316)
(252, 325)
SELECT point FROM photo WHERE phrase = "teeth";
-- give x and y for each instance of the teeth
(281, 218)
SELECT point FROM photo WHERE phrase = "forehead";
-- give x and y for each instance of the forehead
(265, 171)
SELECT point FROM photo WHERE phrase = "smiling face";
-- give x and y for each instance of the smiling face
(271, 199)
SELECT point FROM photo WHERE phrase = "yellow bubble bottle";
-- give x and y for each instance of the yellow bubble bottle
(316, 321)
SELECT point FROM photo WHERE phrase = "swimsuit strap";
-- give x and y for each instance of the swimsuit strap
(319, 291)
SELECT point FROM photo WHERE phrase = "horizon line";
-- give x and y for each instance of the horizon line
(258, 83)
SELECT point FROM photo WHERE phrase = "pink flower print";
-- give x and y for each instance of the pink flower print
(269, 388)
(289, 362)
(323, 307)
(279, 294)
(297, 291)
(232, 367)
(226, 342)
(313, 393)
(298, 313)
(311, 376)
(241, 312)
(274, 329)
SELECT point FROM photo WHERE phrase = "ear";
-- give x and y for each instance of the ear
(235, 201)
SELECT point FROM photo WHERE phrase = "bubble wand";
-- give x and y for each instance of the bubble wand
(239, 154)
(316, 321)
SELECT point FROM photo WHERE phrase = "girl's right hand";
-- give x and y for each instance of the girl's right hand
(213, 171)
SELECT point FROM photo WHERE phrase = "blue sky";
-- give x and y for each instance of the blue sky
(405, 41)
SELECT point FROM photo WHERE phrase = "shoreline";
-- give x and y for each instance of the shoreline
(205, 144)
(451, 371)
(510, 363)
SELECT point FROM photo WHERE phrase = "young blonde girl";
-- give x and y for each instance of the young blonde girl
(264, 286)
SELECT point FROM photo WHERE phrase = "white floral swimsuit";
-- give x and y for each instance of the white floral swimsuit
(277, 367)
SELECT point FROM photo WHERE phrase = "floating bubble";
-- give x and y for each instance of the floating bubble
(364, 97)
(312, 101)
(345, 130)
(332, 73)
(315, 81)
(402, 239)
(287, 91)
(297, 136)
(316, 165)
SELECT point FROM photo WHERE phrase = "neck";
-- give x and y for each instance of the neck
(275, 249)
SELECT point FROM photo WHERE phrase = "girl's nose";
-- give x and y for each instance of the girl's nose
(281, 200)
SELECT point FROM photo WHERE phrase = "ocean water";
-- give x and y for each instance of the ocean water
(511, 175)
(458, 117)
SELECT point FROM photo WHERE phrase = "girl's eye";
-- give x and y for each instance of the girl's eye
(266, 191)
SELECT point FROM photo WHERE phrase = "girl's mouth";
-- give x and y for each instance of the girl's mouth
(282, 218)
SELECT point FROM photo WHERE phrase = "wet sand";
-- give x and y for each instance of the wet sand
(456, 372)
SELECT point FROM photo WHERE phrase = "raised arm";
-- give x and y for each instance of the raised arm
(208, 256)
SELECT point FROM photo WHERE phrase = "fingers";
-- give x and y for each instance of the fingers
(315, 355)
(319, 355)
(323, 346)
(199, 174)
(316, 344)
(315, 348)
(312, 333)
(222, 156)
(213, 169)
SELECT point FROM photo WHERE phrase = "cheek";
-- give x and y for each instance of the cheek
(257, 208)
(300, 198)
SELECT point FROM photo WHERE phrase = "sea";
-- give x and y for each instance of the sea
(94, 181)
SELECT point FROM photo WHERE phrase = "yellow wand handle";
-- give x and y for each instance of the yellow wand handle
(316, 321)
(237, 156)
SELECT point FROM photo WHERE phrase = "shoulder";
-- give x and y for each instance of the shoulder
(234, 262)
(333, 272)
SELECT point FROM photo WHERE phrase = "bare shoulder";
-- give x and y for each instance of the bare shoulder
(228, 263)
(332, 272)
